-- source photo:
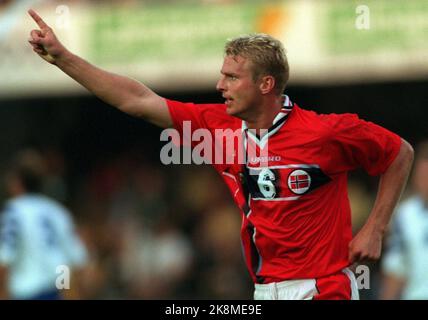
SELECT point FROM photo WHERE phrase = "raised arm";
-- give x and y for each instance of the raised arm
(367, 244)
(126, 94)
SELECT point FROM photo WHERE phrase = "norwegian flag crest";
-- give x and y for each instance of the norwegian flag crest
(299, 181)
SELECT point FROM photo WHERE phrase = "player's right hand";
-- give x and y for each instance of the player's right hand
(44, 41)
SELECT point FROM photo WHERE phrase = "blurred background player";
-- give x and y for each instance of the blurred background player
(405, 263)
(38, 246)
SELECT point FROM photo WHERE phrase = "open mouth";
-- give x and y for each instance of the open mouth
(228, 101)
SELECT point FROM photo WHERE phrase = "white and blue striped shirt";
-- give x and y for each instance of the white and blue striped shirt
(406, 254)
(37, 236)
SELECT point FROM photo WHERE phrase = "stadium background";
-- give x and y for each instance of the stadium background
(172, 232)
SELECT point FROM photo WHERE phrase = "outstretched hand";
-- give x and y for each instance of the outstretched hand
(44, 41)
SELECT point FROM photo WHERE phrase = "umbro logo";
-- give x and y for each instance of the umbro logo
(265, 159)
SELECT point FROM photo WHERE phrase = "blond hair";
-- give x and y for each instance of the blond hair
(267, 55)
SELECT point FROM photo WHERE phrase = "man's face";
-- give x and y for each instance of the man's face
(238, 87)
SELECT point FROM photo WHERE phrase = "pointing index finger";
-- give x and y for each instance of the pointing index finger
(38, 19)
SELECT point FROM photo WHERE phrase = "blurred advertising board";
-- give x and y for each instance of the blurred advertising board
(178, 45)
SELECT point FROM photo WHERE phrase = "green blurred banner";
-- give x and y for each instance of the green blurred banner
(178, 45)
(394, 26)
(166, 32)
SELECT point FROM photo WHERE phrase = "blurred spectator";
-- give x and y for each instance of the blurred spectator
(54, 184)
(39, 247)
(155, 262)
(220, 262)
(361, 201)
(405, 264)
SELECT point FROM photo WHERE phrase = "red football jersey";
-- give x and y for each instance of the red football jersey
(293, 196)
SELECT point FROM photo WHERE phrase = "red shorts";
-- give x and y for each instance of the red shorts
(339, 286)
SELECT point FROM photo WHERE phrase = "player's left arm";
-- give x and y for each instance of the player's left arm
(367, 244)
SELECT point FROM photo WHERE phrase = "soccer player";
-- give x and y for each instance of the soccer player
(405, 262)
(296, 230)
(39, 249)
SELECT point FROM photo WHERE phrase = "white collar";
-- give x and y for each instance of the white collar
(277, 123)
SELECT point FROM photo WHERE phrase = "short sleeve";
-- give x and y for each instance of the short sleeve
(357, 143)
(186, 112)
(189, 117)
